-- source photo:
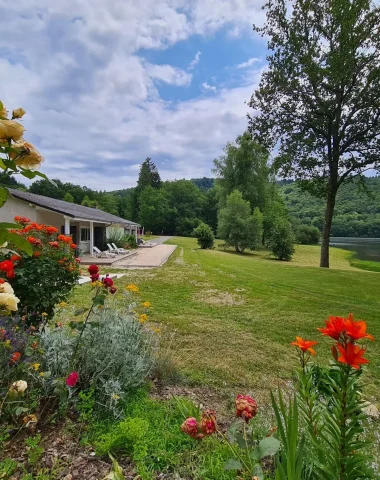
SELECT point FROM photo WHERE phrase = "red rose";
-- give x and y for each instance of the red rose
(51, 230)
(113, 290)
(15, 258)
(190, 427)
(208, 422)
(11, 274)
(54, 244)
(92, 269)
(72, 379)
(15, 358)
(6, 266)
(108, 282)
(94, 277)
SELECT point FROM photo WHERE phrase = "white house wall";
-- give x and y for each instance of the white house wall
(14, 207)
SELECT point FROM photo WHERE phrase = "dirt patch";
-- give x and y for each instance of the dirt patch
(217, 297)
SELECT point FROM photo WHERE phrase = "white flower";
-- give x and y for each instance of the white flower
(6, 288)
(9, 301)
(19, 387)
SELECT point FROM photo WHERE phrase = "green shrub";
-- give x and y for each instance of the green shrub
(204, 235)
(308, 235)
(116, 235)
(281, 242)
(129, 241)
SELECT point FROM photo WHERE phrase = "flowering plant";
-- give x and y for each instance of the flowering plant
(17, 156)
(331, 404)
(46, 277)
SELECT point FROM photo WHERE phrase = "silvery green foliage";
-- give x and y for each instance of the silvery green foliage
(57, 345)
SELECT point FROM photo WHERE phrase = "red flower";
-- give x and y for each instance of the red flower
(305, 345)
(36, 254)
(92, 269)
(11, 274)
(21, 220)
(190, 427)
(351, 355)
(72, 379)
(73, 246)
(94, 277)
(34, 241)
(6, 266)
(2, 280)
(15, 358)
(208, 422)
(246, 407)
(64, 238)
(335, 326)
(113, 290)
(356, 330)
(51, 230)
(15, 258)
(54, 244)
(108, 282)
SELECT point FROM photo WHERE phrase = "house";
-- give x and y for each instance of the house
(87, 226)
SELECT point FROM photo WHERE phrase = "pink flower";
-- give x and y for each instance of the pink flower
(246, 407)
(190, 427)
(72, 379)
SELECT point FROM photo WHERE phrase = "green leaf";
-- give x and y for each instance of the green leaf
(20, 410)
(233, 464)
(240, 440)
(9, 225)
(20, 242)
(268, 446)
(46, 375)
(3, 195)
(257, 471)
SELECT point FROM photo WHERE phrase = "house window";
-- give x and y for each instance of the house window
(84, 234)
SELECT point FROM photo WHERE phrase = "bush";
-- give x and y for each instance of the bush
(116, 235)
(281, 242)
(115, 356)
(308, 235)
(47, 277)
(205, 236)
(129, 241)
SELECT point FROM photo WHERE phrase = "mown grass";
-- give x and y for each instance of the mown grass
(235, 315)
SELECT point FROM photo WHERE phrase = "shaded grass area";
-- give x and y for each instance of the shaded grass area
(235, 315)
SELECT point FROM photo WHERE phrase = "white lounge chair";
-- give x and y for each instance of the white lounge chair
(112, 249)
(97, 253)
(119, 249)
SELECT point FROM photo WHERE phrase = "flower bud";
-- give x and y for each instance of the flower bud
(246, 407)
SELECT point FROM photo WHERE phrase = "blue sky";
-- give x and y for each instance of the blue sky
(107, 83)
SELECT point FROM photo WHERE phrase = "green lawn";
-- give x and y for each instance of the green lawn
(235, 315)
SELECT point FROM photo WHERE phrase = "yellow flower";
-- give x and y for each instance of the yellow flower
(62, 304)
(18, 113)
(7, 342)
(114, 396)
(27, 156)
(132, 288)
(36, 366)
(143, 317)
(9, 301)
(3, 110)
(147, 304)
(156, 330)
(41, 374)
(10, 129)
(44, 314)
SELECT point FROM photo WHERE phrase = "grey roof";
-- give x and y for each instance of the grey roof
(70, 209)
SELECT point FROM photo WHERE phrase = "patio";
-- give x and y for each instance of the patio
(88, 259)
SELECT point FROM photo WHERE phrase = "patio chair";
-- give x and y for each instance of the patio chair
(97, 253)
(143, 243)
(113, 249)
(119, 249)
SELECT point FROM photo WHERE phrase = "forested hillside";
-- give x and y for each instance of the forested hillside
(357, 213)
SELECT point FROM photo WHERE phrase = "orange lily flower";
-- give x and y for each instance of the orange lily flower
(356, 330)
(305, 345)
(335, 326)
(351, 355)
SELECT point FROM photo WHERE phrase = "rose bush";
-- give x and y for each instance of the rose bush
(45, 278)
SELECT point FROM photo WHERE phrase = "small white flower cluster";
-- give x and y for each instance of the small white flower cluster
(8, 299)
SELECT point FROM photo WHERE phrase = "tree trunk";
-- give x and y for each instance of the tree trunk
(330, 204)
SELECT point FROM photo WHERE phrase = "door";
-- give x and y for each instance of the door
(100, 238)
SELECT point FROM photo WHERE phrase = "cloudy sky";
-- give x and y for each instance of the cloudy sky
(106, 83)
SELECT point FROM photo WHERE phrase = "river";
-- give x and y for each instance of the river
(365, 248)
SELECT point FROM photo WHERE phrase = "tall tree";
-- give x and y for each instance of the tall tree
(244, 167)
(68, 197)
(153, 208)
(148, 176)
(319, 99)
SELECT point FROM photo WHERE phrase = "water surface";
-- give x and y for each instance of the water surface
(364, 248)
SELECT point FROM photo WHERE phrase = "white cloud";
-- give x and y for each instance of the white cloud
(248, 63)
(92, 101)
(169, 74)
(208, 88)
(195, 61)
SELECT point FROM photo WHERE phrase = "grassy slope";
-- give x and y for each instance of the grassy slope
(246, 344)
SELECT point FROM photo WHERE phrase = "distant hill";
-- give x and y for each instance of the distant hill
(356, 213)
